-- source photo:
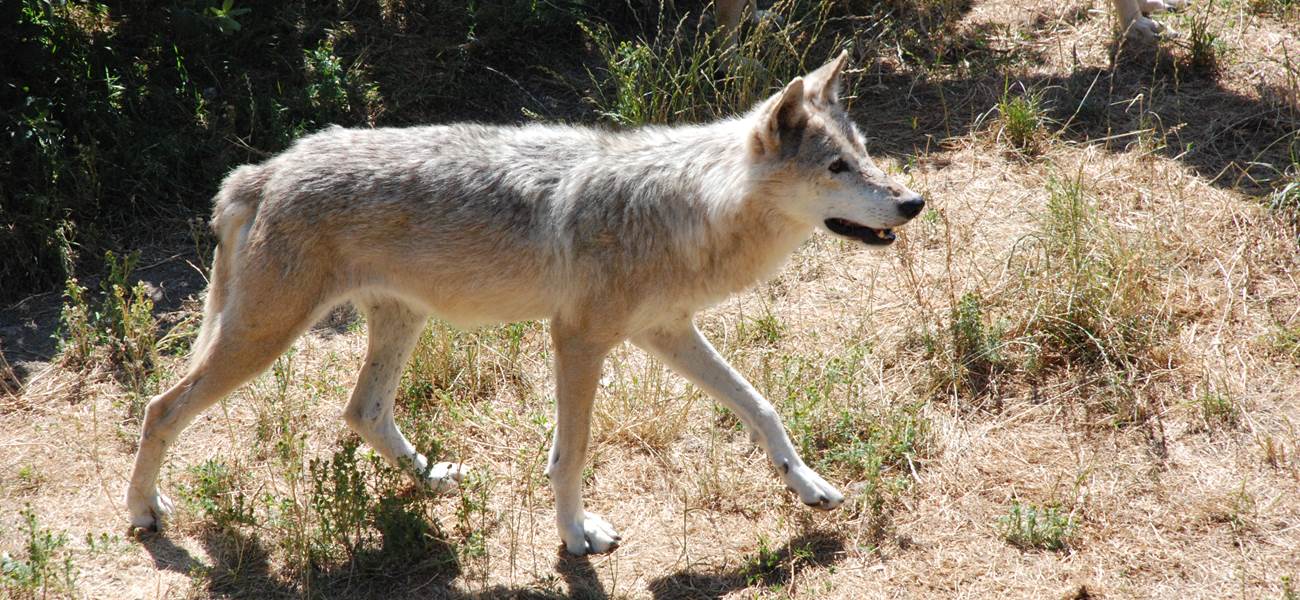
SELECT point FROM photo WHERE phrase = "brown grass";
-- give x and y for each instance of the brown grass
(1170, 498)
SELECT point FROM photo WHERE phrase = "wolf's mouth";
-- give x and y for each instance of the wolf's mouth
(862, 233)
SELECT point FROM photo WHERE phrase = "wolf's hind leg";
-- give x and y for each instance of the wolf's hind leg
(681, 347)
(394, 328)
(240, 344)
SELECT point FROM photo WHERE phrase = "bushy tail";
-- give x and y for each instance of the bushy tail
(232, 217)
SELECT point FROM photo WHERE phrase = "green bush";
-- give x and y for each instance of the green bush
(47, 566)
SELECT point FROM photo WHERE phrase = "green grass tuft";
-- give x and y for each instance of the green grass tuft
(1027, 526)
(1022, 120)
(1204, 48)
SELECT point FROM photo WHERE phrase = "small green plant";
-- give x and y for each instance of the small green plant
(129, 328)
(1203, 46)
(327, 87)
(29, 478)
(976, 346)
(861, 443)
(77, 334)
(340, 502)
(763, 566)
(474, 520)
(1288, 590)
(360, 513)
(878, 450)
(1217, 409)
(120, 329)
(1285, 341)
(105, 542)
(1022, 120)
(1028, 526)
(1239, 510)
(46, 568)
(773, 567)
(214, 489)
(226, 15)
(765, 330)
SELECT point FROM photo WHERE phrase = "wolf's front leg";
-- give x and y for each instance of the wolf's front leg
(681, 347)
(577, 371)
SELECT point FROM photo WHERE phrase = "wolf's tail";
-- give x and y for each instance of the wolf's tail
(232, 217)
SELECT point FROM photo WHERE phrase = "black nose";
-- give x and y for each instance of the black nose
(911, 208)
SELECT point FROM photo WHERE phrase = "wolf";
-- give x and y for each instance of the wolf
(610, 235)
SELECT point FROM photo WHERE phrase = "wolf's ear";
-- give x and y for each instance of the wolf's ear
(782, 114)
(823, 85)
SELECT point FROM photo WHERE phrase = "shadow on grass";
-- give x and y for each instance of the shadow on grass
(241, 568)
(777, 567)
(580, 576)
(1151, 96)
(167, 555)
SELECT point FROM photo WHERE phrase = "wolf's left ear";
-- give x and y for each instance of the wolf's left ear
(783, 113)
(823, 85)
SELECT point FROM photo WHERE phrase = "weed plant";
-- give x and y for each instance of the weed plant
(119, 330)
(1033, 527)
(1021, 120)
(47, 567)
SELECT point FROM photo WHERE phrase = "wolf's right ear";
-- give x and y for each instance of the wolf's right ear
(783, 113)
(824, 84)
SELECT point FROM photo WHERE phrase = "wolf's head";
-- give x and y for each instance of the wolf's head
(815, 163)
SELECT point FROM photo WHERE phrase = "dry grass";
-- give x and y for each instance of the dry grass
(1106, 326)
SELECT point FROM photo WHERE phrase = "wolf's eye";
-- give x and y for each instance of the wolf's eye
(839, 166)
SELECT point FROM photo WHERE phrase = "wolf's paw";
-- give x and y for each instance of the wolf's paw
(1146, 30)
(148, 513)
(811, 488)
(593, 536)
(445, 477)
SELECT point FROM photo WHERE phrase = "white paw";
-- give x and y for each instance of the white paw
(1145, 30)
(593, 536)
(149, 513)
(811, 488)
(445, 477)
(1176, 4)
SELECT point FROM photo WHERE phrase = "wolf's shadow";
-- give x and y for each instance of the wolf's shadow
(811, 550)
